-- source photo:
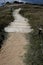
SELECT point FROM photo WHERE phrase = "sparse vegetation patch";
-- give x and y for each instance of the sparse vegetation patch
(34, 55)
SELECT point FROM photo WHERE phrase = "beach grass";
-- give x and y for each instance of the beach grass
(34, 53)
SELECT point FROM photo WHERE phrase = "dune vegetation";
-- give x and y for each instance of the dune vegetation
(34, 55)
(5, 18)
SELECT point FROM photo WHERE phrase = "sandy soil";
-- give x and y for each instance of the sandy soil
(13, 49)
(20, 24)
(12, 52)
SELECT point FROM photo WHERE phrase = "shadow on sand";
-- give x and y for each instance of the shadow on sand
(3, 36)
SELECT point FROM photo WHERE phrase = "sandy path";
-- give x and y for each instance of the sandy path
(20, 24)
(12, 52)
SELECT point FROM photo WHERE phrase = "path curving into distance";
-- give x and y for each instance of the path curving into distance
(12, 52)
(20, 24)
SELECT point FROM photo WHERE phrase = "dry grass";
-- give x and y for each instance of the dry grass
(34, 55)
(5, 18)
(34, 13)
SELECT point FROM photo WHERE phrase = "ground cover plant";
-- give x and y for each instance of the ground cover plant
(34, 55)
(5, 18)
